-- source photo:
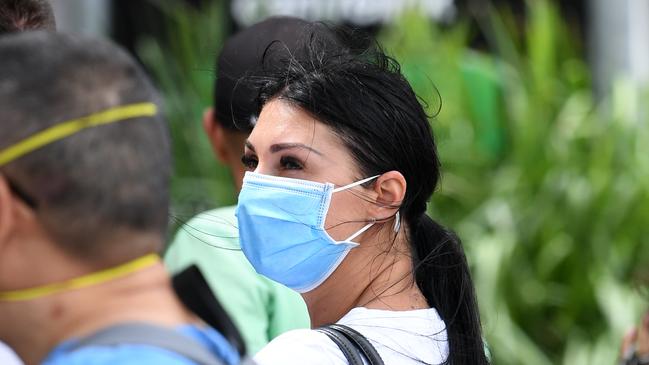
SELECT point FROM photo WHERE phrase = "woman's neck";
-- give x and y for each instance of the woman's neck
(371, 276)
(394, 289)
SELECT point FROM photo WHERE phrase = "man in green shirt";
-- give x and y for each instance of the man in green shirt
(261, 308)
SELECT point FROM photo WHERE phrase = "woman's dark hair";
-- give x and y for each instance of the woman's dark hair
(360, 93)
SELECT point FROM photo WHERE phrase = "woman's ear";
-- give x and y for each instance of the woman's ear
(7, 207)
(390, 190)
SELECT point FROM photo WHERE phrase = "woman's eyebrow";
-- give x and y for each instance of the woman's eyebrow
(285, 146)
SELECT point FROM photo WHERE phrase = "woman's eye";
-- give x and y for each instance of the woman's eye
(290, 163)
(250, 162)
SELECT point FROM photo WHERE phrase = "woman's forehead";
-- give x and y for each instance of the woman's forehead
(281, 122)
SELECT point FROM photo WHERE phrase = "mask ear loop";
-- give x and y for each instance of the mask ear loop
(360, 231)
(349, 186)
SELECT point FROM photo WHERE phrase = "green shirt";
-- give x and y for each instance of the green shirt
(261, 308)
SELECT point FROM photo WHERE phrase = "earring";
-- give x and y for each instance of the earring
(397, 222)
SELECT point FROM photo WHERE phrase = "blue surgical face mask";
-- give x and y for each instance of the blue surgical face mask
(282, 232)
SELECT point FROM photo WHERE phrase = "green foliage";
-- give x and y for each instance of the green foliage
(182, 62)
(546, 185)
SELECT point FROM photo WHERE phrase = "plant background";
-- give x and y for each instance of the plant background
(547, 185)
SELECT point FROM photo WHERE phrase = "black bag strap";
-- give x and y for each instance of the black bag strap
(359, 343)
(195, 293)
(347, 347)
(152, 335)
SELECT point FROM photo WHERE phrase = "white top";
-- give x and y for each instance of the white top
(400, 337)
(7, 357)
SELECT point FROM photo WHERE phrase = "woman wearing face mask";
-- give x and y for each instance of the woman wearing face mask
(342, 162)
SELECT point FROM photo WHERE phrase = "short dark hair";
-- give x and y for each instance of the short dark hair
(104, 182)
(22, 15)
(234, 100)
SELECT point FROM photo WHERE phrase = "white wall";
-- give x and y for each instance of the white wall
(359, 12)
(82, 16)
(619, 41)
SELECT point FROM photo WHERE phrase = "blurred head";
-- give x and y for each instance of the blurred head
(343, 115)
(234, 113)
(99, 196)
(23, 15)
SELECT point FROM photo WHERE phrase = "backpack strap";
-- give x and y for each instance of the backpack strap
(346, 346)
(151, 335)
(195, 293)
(359, 344)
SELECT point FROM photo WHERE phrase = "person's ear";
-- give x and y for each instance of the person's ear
(390, 190)
(216, 135)
(7, 207)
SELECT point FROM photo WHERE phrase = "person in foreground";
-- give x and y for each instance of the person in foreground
(341, 163)
(19, 16)
(84, 180)
(261, 308)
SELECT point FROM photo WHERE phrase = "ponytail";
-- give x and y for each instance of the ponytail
(442, 274)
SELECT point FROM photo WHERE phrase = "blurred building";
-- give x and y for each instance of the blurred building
(619, 41)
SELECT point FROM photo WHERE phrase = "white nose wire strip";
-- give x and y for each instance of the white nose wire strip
(354, 184)
(349, 186)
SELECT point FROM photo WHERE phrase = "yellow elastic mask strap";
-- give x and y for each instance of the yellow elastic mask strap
(66, 129)
(95, 278)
